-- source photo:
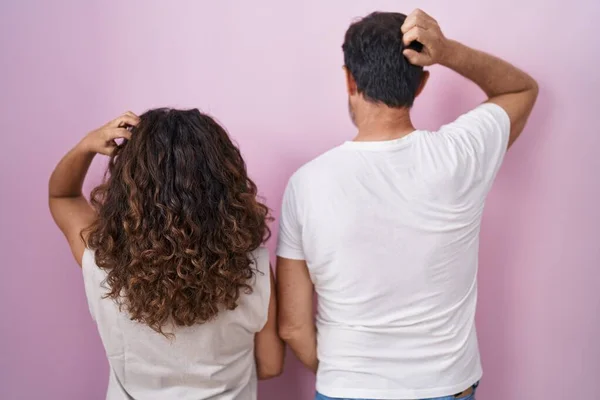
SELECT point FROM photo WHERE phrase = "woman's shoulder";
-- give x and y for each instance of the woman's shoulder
(91, 271)
(260, 257)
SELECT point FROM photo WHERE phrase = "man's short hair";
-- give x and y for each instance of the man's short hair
(373, 55)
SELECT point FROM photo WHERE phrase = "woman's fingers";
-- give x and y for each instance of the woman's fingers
(119, 133)
(111, 135)
(127, 119)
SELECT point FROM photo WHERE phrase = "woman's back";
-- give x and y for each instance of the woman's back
(174, 271)
(210, 360)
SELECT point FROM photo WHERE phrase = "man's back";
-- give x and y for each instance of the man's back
(386, 228)
(389, 231)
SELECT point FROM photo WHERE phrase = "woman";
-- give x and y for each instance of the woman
(174, 274)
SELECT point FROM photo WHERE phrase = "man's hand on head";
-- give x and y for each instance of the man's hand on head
(504, 84)
(422, 28)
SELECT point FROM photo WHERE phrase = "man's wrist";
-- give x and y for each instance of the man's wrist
(453, 53)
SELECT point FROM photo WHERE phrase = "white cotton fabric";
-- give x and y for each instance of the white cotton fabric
(390, 234)
(214, 360)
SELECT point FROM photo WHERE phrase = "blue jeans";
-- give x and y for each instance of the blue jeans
(469, 397)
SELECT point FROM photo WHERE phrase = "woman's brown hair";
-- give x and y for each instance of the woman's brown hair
(178, 218)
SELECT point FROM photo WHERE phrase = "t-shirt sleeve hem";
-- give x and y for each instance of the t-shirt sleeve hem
(289, 253)
(501, 117)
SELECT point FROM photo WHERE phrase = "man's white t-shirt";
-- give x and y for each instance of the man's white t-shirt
(390, 234)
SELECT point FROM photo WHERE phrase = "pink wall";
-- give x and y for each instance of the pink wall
(271, 71)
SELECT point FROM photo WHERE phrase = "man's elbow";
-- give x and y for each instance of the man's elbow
(531, 88)
(535, 88)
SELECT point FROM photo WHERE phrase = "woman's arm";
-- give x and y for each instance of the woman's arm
(269, 349)
(70, 210)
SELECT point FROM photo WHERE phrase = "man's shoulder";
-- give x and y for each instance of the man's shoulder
(323, 164)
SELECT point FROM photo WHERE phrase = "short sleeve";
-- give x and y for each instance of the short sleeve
(289, 243)
(480, 138)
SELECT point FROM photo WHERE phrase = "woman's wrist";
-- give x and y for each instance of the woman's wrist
(85, 146)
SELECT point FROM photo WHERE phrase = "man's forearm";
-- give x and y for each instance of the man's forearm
(304, 345)
(493, 75)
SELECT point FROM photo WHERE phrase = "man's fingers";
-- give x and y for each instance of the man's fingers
(418, 18)
(416, 33)
(416, 21)
(408, 25)
(415, 57)
(420, 14)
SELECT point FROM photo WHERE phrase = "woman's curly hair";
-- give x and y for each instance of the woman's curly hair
(177, 220)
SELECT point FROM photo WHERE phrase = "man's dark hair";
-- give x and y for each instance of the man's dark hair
(373, 55)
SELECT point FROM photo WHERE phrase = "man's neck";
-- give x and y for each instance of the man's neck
(376, 122)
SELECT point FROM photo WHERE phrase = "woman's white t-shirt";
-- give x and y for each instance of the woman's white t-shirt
(390, 234)
(214, 360)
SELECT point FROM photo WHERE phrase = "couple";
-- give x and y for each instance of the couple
(384, 228)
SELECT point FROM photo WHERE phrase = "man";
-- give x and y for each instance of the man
(386, 227)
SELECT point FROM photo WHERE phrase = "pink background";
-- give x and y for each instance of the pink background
(271, 72)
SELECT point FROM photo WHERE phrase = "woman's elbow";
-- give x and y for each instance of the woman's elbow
(289, 333)
(270, 372)
(270, 359)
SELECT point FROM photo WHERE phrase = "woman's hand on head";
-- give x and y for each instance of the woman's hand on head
(103, 139)
(70, 209)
